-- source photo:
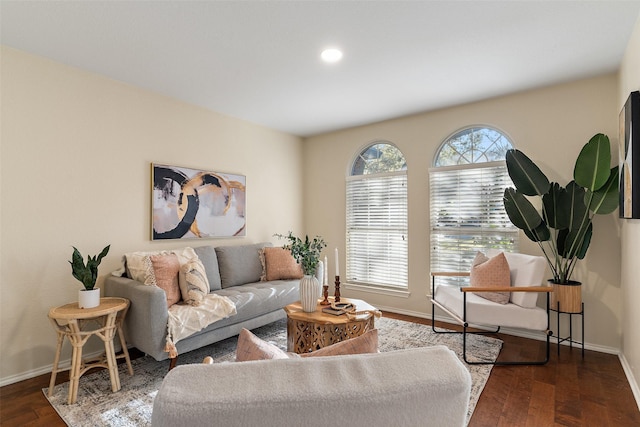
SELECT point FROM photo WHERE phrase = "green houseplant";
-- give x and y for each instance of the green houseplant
(87, 274)
(306, 253)
(563, 225)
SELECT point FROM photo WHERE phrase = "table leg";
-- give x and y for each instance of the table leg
(74, 373)
(56, 361)
(125, 351)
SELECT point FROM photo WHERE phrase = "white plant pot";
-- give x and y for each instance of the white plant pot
(89, 299)
(309, 291)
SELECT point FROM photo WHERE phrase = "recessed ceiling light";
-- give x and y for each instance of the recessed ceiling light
(331, 55)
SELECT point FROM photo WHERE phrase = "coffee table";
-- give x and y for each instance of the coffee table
(307, 332)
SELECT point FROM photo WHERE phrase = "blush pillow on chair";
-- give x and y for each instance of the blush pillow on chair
(491, 272)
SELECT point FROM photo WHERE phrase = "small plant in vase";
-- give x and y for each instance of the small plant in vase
(306, 253)
(87, 274)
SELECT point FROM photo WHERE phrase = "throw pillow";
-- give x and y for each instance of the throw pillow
(239, 265)
(365, 343)
(280, 265)
(491, 272)
(207, 255)
(193, 282)
(138, 267)
(250, 347)
(165, 276)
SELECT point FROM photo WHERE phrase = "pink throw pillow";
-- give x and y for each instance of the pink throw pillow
(280, 265)
(250, 347)
(165, 276)
(489, 273)
(365, 343)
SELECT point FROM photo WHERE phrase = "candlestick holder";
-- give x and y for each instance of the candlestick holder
(337, 295)
(325, 294)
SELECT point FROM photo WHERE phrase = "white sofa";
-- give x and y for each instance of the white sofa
(414, 387)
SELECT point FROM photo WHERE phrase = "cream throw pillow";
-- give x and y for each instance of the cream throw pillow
(491, 272)
(193, 282)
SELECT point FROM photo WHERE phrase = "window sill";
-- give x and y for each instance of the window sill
(402, 293)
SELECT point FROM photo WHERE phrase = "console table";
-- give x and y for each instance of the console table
(70, 321)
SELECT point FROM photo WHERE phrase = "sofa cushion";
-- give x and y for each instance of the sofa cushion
(491, 272)
(279, 264)
(207, 255)
(193, 282)
(239, 265)
(165, 276)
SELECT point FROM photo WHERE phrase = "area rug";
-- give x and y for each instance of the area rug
(132, 405)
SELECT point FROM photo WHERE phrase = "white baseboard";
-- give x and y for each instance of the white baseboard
(630, 377)
(64, 365)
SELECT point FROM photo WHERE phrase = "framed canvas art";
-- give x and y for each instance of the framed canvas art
(190, 203)
(629, 150)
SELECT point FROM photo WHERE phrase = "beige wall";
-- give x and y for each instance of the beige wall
(551, 125)
(629, 82)
(76, 153)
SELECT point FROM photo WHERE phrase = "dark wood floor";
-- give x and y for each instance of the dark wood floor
(567, 391)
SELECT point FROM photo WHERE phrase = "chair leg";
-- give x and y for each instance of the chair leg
(507, 363)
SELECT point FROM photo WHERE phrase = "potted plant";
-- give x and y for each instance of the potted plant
(563, 226)
(306, 253)
(87, 274)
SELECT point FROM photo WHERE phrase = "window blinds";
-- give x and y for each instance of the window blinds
(377, 241)
(467, 215)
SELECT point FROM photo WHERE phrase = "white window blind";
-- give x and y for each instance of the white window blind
(377, 241)
(467, 215)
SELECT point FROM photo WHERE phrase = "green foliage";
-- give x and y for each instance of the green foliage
(563, 227)
(86, 274)
(306, 252)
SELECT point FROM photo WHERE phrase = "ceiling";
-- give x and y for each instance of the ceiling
(260, 60)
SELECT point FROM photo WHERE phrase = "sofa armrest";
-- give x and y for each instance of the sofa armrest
(146, 323)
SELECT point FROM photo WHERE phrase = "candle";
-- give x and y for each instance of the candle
(337, 264)
(325, 272)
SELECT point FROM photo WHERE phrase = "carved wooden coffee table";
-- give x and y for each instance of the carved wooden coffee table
(307, 332)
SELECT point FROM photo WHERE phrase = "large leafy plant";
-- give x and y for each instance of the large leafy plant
(86, 273)
(563, 225)
(306, 252)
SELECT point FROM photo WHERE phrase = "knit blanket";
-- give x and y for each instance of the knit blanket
(185, 320)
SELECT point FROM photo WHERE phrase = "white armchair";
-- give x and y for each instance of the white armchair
(521, 311)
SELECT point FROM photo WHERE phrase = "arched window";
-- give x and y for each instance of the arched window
(466, 187)
(377, 238)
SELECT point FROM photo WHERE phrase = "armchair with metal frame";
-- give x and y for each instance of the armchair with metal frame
(522, 312)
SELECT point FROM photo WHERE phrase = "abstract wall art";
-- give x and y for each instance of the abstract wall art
(190, 203)
(629, 150)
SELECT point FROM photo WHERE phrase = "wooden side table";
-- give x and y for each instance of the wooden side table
(307, 332)
(69, 320)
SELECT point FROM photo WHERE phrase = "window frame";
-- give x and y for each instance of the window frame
(482, 221)
(370, 283)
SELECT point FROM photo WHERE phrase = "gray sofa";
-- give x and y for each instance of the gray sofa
(415, 387)
(234, 272)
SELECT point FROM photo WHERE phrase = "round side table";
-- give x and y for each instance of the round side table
(308, 332)
(70, 321)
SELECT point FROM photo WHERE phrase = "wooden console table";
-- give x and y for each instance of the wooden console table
(308, 332)
(69, 320)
